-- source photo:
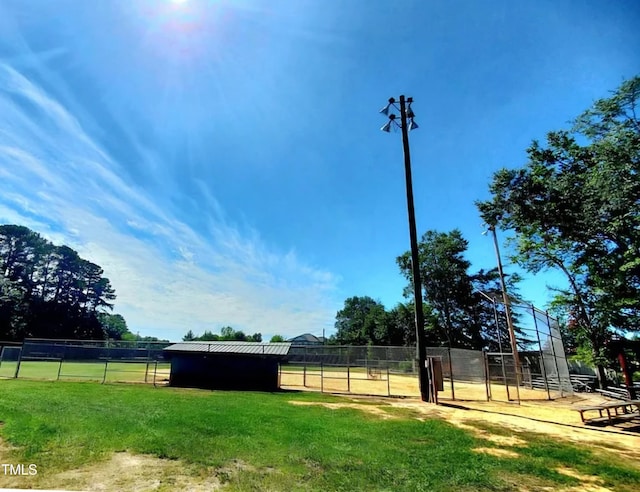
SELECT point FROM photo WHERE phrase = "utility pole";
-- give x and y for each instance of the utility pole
(407, 123)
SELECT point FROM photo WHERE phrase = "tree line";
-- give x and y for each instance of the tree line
(49, 291)
(573, 207)
(227, 334)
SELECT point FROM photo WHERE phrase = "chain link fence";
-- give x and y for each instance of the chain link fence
(467, 374)
(367, 370)
(86, 360)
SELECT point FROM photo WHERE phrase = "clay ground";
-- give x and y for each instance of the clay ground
(359, 382)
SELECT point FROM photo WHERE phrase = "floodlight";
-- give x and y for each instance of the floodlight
(386, 127)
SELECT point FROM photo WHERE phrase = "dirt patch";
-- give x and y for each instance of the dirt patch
(371, 409)
(483, 434)
(501, 453)
(589, 483)
(5, 451)
(126, 471)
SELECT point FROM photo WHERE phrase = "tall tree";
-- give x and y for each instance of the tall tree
(362, 321)
(447, 285)
(114, 325)
(575, 207)
(61, 294)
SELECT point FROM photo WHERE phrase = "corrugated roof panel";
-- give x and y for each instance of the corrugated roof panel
(253, 348)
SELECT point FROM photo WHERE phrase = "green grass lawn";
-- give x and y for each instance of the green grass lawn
(66, 425)
(133, 372)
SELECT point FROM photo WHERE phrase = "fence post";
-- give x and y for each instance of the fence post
(146, 371)
(59, 370)
(487, 378)
(553, 351)
(321, 377)
(155, 370)
(453, 391)
(348, 379)
(18, 364)
(106, 364)
(388, 381)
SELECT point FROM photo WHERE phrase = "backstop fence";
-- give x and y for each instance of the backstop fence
(543, 372)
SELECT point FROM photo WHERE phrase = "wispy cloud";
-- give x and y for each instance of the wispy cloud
(169, 277)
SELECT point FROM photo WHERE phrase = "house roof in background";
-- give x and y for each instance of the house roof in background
(248, 348)
(307, 337)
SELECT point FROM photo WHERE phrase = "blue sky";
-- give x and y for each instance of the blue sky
(222, 159)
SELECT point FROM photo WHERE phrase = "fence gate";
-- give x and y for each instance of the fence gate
(10, 361)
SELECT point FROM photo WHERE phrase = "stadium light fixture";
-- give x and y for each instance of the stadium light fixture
(406, 124)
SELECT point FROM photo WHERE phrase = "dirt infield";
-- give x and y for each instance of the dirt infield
(359, 381)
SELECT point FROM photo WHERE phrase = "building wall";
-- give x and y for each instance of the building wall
(220, 371)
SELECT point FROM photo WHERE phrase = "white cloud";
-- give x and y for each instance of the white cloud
(169, 278)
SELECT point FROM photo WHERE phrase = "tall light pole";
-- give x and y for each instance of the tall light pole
(407, 123)
(507, 306)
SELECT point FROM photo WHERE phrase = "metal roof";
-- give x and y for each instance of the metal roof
(307, 337)
(251, 348)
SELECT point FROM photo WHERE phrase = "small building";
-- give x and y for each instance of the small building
(307, 339)
(226, 365)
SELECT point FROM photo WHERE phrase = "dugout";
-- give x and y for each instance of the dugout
(226, 365)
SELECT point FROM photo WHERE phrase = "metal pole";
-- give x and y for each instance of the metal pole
(507, 307)
(553, 351)
(415, 257)
(542, 365)
(486, 372)
(504, 371)
(453, 391)
(18, 364)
